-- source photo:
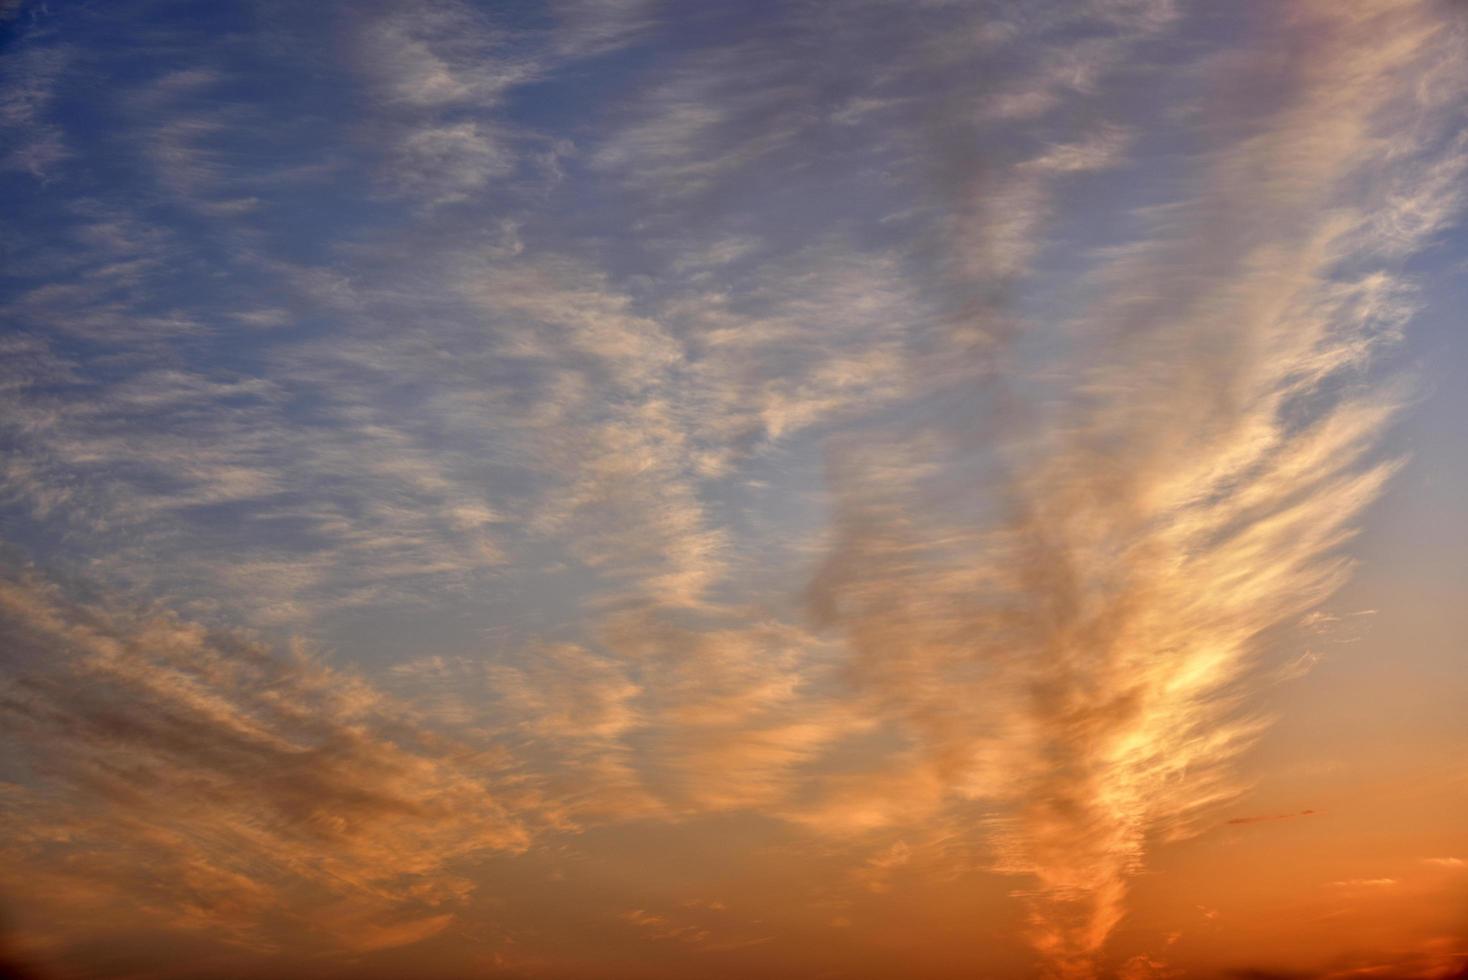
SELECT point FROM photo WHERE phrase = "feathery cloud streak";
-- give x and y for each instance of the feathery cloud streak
(443, 437)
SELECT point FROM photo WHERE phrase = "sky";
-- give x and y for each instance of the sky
(648, 489)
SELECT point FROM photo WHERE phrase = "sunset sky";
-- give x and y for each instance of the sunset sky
(678, 489)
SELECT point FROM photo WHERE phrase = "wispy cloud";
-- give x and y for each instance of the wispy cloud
(1241, 821)
(875, 448)
(28, 86)
(201, 781)
(1100, 628)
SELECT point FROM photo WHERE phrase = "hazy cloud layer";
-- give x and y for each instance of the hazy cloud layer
(444, 441)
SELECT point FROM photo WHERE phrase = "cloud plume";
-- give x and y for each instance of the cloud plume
(1082, 654)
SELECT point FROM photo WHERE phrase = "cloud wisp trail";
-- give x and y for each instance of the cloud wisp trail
(1083, 658)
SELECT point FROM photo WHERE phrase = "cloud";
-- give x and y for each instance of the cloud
(29, 84)
(1240, 821)
(1439, 958)
(704, 926)
(437, 54)
(200, 782)
(1097, 628)
(659, 927)
(1451, 863)
(591, 27)
(451, 161)
(442, 71)
(892, 434)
